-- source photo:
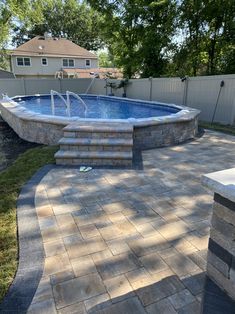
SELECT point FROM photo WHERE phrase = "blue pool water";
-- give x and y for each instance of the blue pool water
(98, 107)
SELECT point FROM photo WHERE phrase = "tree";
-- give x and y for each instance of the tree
(137, 33)
(208, 29)
(66, 18)
(105, 59)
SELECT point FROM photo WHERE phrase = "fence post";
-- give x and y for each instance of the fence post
(185, 95)
(60, 80)
(150, 88)
(24, 84)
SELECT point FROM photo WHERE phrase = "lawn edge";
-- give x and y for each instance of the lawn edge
(31, 251)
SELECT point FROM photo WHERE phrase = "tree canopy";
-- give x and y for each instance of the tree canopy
(143, 37)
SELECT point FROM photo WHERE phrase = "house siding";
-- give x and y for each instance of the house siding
(54, 64)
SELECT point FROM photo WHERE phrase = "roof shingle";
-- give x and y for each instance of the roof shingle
(52, 47)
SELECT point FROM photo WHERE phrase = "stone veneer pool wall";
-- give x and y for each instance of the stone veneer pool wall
(148, 133)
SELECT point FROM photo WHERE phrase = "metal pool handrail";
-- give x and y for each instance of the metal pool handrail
(68, 94)
(53, 92)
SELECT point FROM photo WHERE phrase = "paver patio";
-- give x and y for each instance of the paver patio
(129, 241)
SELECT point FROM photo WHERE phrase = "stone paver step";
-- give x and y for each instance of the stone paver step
(96, 141)
(93, 155)
(99, 127)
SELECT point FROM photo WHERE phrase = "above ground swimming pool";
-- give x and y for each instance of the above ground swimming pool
(154, 124)
(97, 107)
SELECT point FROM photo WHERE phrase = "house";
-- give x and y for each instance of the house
(45, 56)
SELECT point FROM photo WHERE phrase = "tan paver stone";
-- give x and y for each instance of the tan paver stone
(97, 303)
(110, 232)
(129, 306)
(200, 242)
(76, 247)
(61, 276)
(83, 266)
(118, 246)
(54, 247)
(181, 299)
(148, 245)
(89, 231)
(137, 275)
(118, 288)
(159, 290)
(184, 246)
(44, 211)
(77, 308)
(116, 217)
(163, 307)
(69, 229)
(77, 289)
(173, 230)
(117, 265)
(64, 219)
(146, 230)
(115, 207)
(181, 264)
(43, 307)
(100, 256)
(60, 209)
(50, 234)
(153, 263)
(57, 263)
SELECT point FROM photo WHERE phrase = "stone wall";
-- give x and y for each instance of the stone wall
(221, 248)
(160, 135)
(148, 133)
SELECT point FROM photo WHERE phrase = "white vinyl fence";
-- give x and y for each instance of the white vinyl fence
(202, 92)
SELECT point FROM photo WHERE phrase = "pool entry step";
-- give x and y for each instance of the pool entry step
(96, 144)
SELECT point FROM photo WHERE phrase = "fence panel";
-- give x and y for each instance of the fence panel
(12, 87)
(169, 90)
(78, 86)
(203, 93)
(41, 86)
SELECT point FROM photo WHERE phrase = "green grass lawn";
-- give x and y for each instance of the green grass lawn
(11, 181)
(228, 129)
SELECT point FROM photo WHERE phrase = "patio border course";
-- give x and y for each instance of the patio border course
(31, 250)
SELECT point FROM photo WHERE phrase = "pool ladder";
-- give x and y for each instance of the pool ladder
(66, 101)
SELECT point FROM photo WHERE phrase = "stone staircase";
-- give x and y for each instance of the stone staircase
(96, 144)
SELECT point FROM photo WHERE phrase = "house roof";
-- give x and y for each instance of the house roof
(52, 47)
(86, 73)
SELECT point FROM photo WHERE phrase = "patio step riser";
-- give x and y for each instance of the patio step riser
(99, 135)
(95, 148)
(94, 162)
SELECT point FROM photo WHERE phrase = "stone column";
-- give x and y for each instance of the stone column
(221, 248)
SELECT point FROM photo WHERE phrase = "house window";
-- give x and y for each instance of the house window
(44, 61)
(68, 63)
(23, 62)
(88, 63)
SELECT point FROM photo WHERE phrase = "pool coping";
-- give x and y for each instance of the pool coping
(185, 114)
(31, 251)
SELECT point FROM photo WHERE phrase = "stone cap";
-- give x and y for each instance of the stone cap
(221, 182)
